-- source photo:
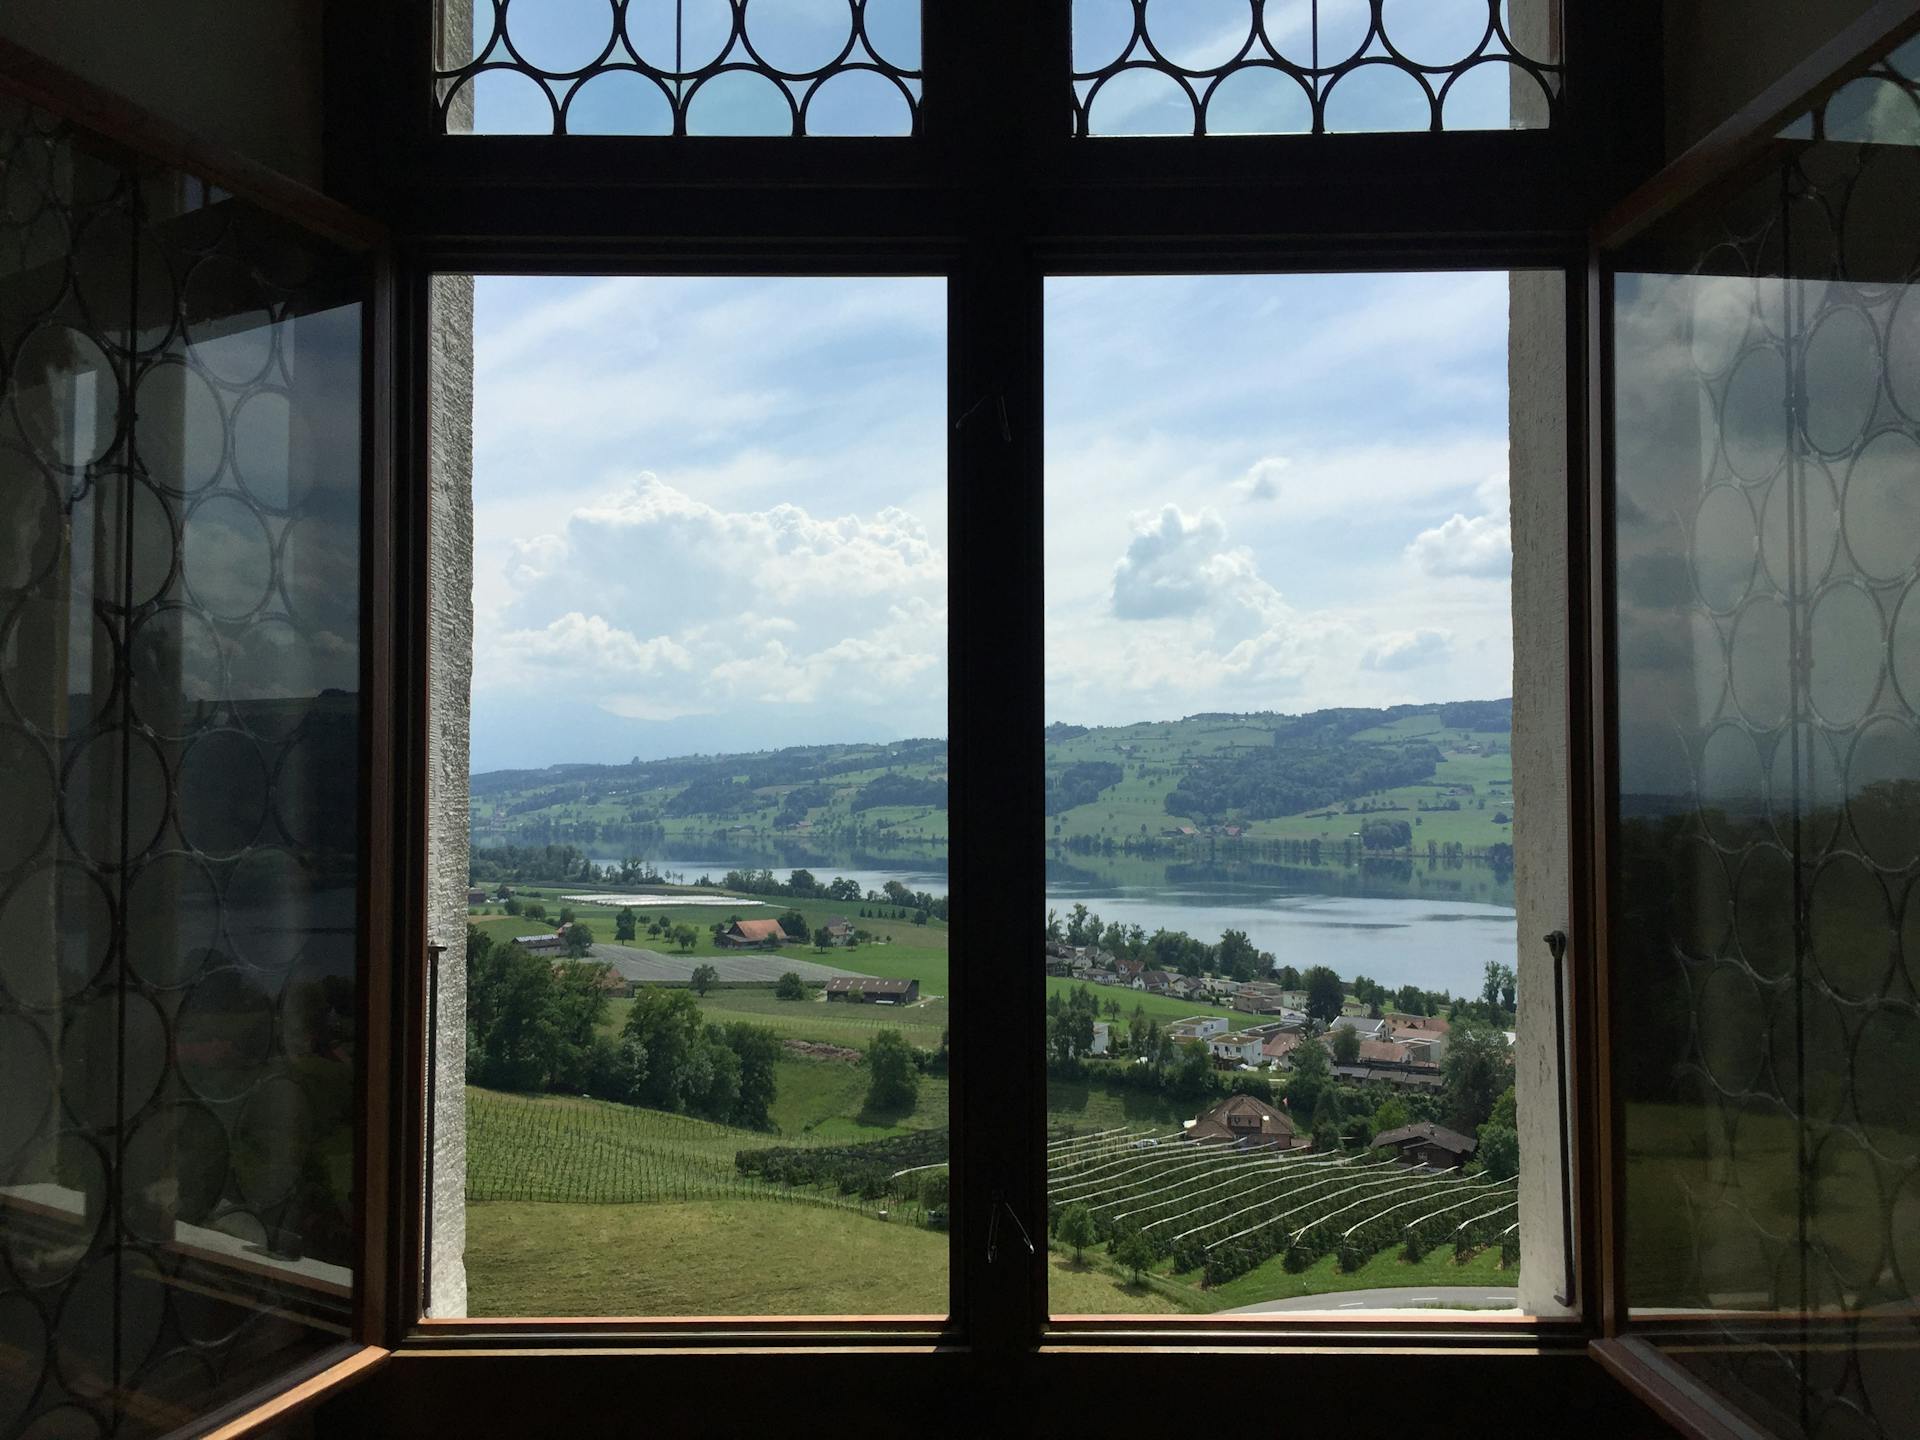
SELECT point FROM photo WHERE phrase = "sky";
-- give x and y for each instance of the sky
(710, 513)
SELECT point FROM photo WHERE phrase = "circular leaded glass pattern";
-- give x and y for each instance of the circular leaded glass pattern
(724, 67)
(1850, 921)
(1725, 544)
(1846, 641)
(1882, 506)
(1843, 370)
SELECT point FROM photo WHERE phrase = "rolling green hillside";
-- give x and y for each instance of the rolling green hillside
(1445, 769)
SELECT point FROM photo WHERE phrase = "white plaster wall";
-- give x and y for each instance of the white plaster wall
(451, 660)
(244, 74)
(1537, 436)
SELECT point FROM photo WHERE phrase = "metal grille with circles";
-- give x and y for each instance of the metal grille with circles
(679, 67)
(1768, 895)
(179, 732)
(1221, 67)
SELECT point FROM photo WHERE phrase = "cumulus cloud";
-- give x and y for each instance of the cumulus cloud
(664, 606)
(1178, 565)
(1408, 650)
(1480, 548)
(1262, 480)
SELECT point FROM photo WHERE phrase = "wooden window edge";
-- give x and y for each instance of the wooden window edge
(1685, 1402)
(284, 1397)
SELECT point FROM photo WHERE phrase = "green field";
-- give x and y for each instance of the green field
(725, 1257)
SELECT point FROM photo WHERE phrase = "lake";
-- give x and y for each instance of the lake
(1368, 928)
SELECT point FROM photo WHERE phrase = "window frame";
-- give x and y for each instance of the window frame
(995, 194)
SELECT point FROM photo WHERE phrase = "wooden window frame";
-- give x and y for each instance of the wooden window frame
(994, 195)
(1628, 1346)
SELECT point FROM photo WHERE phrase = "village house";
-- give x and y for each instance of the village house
(1244, 1121)
(477, 897)
(839, 930)
(1428, 1144)
(872, 990)
(744, 933)
(1238, 1048)
(1154, 982)
(1367, 1029)
(1278, 1049)
(1197, 1027)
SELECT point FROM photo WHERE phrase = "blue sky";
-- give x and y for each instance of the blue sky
(710, 513)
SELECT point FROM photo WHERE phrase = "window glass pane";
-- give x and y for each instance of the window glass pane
(1285, 999)
(680, 67)
(1767, 906)
(179, 902)
(1237, 67)
(702, 1015)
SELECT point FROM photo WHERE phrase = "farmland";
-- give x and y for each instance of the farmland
(1213, 1216)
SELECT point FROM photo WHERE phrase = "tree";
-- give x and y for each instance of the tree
(1311, 1077)
(1325, 994)
(535, 911)
(1136, 1253)
(624, 927)
(566, 916)
(893, 1085)
(1346, 1045)
(704, 978)
(758, 1050)
(802, 884)
(579, 941)
(794, 925)
(1075, 1230)
(1195, 1075)
(1477, 1068)
(513, 905)
(1499, 1151)
(790, 987)
(684, 936)
(1391, 1115)
(822, 938)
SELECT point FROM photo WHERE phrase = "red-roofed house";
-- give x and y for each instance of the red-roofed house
(742, 933)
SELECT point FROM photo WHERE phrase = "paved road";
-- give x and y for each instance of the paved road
(1490, 1297)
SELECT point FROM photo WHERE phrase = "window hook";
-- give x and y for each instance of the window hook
(999, 400)
(993, 1228)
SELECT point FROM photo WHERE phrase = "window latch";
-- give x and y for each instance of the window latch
(993, 1229)
(998, 399)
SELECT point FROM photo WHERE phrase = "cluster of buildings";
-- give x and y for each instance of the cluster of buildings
(1090, 965)
(1247, 1122)
(1400, 1050)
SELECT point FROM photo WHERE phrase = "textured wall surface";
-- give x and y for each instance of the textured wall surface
(245, 74)
(1538, 460)
(451, 659)
(1722, 53)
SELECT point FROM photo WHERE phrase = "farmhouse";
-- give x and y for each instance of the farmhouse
(476, 897)
(543, 941)
(839, 930)
(1428, 1144)
(872, 990)
(1245, 1121)
(743, 933)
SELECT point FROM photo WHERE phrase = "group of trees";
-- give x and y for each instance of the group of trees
(803, 885)
(897, 789)
(626, 929)
(1081, 783)
(1296, 775)
(532, 1024)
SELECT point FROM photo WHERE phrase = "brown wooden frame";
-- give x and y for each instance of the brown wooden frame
(1728, 157)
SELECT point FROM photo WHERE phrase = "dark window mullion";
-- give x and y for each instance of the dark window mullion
(992, 70)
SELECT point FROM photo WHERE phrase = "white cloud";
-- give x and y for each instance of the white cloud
(663, 606)
(1408, 650)
(1176, 566)
(1262, 480)
(1480, 548)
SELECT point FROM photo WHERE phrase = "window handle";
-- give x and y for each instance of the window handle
(993, 1229)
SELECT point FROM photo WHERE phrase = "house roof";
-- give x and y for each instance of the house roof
(868, 985)
(1384, 1052)
(1242, 1117)
(1427, 1133)
(1362, 1024)
(1432, 1024)
(757, 930)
